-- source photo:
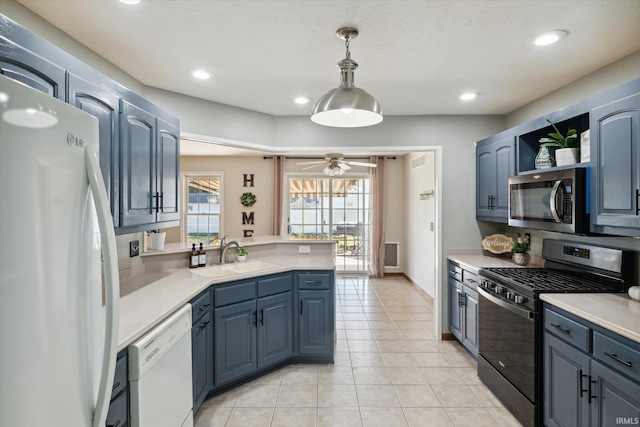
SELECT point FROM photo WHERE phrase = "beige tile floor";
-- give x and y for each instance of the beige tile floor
(389, 371)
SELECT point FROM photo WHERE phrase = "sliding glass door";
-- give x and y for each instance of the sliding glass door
(336, 209)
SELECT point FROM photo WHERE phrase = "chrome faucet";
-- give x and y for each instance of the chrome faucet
(225, 247)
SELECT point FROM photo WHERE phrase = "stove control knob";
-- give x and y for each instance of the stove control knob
(520, 299)
(511, 296)
(499, 289)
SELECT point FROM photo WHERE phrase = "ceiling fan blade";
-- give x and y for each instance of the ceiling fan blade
(371, 165)
(344, 166)
(313, 166)
(315, 162)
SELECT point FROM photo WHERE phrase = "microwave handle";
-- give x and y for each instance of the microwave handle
(552, 201)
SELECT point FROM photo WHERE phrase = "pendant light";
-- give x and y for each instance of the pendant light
(347, 106)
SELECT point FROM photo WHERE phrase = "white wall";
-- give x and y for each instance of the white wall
(419, 214)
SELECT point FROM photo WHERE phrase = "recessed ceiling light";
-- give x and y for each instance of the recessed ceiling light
(301, 100)
(550, 37)
(201, 74)
(468, 96)
(130, 1)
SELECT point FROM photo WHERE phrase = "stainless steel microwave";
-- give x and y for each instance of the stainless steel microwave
(551, 200)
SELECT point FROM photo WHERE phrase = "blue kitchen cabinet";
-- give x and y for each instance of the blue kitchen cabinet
(275, 329)
(102, 103)
(235, 341)
(168, 171)
(19, 63)
(463, 306)
(118, 413)
(202, 347)
(615, 160)
(315, 313)
(495, 163)
(253, 326)
(591, 375)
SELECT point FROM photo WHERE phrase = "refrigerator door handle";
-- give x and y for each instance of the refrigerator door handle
(112, 285)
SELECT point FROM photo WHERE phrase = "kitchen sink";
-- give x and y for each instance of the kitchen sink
(224, 270)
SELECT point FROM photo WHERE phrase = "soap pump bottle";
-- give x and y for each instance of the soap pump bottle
(193, 260)
(202, 257)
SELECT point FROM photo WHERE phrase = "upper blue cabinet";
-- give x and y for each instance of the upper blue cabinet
(139, 142)
(495, 163)
(615, 160)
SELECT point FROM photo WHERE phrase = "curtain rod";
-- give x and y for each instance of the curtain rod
(322, 158)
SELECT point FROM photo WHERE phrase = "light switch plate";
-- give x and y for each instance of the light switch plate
(304, 249)
(134, 248)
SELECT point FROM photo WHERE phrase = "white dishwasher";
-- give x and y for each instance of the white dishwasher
(160, 374)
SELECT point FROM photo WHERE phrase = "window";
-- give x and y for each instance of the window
(203, 208)
(337, 209)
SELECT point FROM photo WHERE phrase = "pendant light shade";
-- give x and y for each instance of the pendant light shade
(347, 106)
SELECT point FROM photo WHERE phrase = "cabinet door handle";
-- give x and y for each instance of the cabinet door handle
(301, 307)
(262, 316)
(204, 307)
(561, 329)
(115, 386)
(155, 196)
(114, 425)
(637, 201)
(313, 282)
(590, 396)
(161, 201)
(204, 324)
(580, 377)
(617, 359)
(255, 318)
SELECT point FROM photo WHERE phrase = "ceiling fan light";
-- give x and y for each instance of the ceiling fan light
(332, 171)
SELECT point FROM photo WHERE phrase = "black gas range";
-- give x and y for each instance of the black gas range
(510, 316)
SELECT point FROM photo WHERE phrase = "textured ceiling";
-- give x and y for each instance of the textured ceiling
(415, 57)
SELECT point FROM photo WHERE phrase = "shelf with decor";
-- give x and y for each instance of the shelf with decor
(528, 144)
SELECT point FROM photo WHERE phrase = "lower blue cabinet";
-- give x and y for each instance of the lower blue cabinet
(275, 329)
(591, 381)
(315, 324)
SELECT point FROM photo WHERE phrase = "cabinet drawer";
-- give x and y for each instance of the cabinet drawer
(117, 415)
(120, 377)
(567, 329)
(314, 281)
(236, 292)
(455, 271)
(618, 355)
(470, 279)
(275, 285)
(200, 305)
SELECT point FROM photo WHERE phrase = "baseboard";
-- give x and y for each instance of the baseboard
(429, 297)
(447, 336)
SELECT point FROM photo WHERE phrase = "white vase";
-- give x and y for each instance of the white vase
(520, 258)
(567, 156)
(157, 240)
(241, 258)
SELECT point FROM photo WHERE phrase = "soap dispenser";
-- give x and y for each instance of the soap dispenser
(202, 257)
(193, 260)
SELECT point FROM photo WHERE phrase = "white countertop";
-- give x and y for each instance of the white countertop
(163, 292)
(616, 312)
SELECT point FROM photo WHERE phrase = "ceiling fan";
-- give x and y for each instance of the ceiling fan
(335, 163)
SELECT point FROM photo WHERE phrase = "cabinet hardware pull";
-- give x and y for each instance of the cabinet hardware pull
(300, 307)
(155, 196)
(262, 316)
(204, 307)
(463, 300)
(617, 359)
(561, 329)
(580, 377)
(114, 425)
(637, 201)
(115, 386)
(313, 282)
(161, 198)
(255, 318)
(589, 395)
(204, 324)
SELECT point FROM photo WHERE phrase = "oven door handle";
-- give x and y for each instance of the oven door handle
(552, 201)
(512, 308)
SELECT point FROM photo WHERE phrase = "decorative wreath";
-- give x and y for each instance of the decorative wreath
(248, 199)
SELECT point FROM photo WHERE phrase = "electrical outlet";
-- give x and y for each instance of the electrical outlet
(134, 248)
(304, 249)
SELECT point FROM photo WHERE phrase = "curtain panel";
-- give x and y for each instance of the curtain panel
(378, 182)
(278, 195)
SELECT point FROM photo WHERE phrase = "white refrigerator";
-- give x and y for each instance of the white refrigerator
(57, 258)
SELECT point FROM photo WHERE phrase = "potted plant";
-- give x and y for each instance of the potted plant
(567, 153)
(157, 239)
(520, 248)
(242, 253)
